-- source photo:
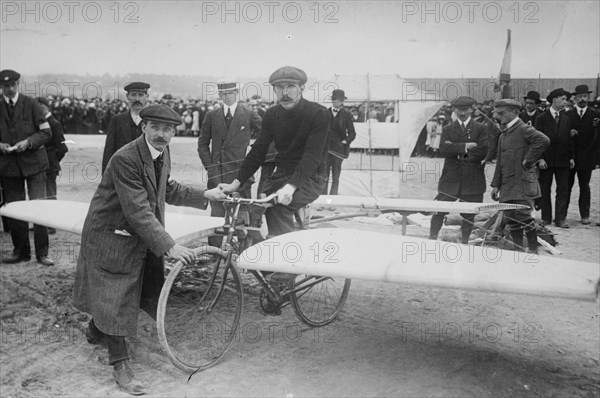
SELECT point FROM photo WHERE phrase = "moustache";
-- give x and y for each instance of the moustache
(286, 98)
(137, 103)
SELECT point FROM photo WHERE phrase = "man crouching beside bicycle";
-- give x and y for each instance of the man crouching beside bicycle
(299, 130)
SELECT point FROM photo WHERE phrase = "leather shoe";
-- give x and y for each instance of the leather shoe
(123, 375)
(585, 221)
(45, 260)
(562, 224)
(14, 258)
(543, 223)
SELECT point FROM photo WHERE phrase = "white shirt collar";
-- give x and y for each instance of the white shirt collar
(232, 107)
(531, 113)
(333, 111)
(153, 152)
(512, 122)
(466, 122)
(554, 112)
(580, 109)
(14, 99)
(136, 118)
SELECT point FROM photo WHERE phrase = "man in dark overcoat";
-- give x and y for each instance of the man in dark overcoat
(342, 134)
(120, 265)
(126, 127)
(585, 134)
(464, 145)
(223, 143)
(532, 110)
(515, 180)
(558, 158)
(24, 131)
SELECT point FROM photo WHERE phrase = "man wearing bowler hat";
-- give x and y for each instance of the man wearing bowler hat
(531, 111)
(24, 131)
(300, 131)
(120, 265)
(341, 135)
(558, 158)
(515, 181)
(126, 126)
(464, 144)
(223, 142)
(584, 132)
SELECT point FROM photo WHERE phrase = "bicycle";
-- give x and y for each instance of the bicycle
(201, 304)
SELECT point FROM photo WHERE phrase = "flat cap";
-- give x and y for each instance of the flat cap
(160, 113)
(463, 102)
(137, 86)
(288, 74)
(227, 86)
(9, 76)
(507, 103)
(557, 93)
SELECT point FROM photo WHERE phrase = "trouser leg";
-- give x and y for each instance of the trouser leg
(336, 171)
(545, 181)
(562, 191)
(216, 210)
(36, 189)
(152, 283)
(584, 177)
(14, 190)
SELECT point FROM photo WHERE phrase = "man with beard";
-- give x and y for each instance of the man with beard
(120, 265)
(300, 131)
(558, 158)
(126, 126)
(584, 132)
(531, 112)
(464, 144)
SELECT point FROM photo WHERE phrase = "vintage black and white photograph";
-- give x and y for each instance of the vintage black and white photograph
(299, 198)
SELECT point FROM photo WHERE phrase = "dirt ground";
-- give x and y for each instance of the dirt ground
(390, 340)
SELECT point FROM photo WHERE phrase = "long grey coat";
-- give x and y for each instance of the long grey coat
(126, 218)
(520, 142)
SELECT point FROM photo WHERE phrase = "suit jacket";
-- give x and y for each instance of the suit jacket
(586, 141)
(561, 148)
(530, 120)
(342, 129)
(25, 124)
(222, 151)
(518, 143)
(122, 130)
(56, 147)
(125, 220)
(463, 172)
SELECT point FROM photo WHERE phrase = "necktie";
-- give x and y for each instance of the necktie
(11, 108)
(581, 113)
(158, 164)
(463, 127)
(557, 117)
(228, 118)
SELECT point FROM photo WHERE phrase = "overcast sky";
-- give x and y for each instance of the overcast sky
(551, 38)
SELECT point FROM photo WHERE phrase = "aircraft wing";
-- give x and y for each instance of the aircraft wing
(382, 257)
(410, 205)
(70, 216)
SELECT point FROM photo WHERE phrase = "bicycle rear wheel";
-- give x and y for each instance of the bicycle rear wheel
(318, 300)
(197, 320)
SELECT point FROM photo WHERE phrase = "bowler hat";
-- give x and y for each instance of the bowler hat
(507, 103)
(582, 89)
(338, 95)
(557, 93)
(160, 113)
(534, 95)
(288, 74)
(9, 76)
(463, 102)
(137, 86)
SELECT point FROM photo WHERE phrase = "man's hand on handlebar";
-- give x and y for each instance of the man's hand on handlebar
(181, 253)
(285, 194)
(229, 188)
(215, 194)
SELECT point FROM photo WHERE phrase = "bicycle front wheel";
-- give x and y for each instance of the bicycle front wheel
(318, 300)
(197, 319)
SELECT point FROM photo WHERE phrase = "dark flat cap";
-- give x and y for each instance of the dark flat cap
(507, 103)
(137, 86)
(9, 76)
(557, 93)
(463, 102)
(227, 86)
(289, 74)
(338, 95)
(534, 95)
(160, 113)
(582, 89)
